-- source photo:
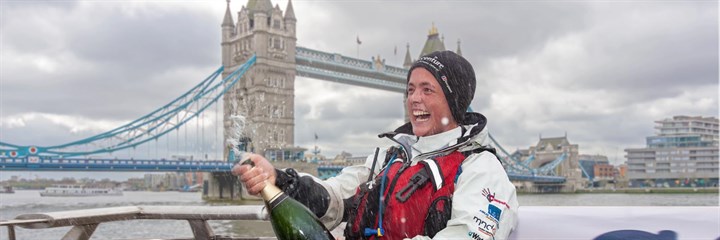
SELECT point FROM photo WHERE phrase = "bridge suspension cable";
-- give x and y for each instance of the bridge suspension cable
(510, 161)
(146, 128)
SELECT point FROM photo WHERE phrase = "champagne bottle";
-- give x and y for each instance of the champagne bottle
(290, 219)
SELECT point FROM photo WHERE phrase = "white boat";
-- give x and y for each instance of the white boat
(79, 191)
(6, 189)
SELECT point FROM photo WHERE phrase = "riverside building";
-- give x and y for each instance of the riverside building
(684, 153)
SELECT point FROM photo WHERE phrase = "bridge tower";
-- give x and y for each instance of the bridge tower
(548, 149)
(265, 94)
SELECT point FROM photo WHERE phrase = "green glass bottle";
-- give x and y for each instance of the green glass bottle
(291, 219)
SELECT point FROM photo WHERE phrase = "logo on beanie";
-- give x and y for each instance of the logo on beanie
(433, 62)
(444, 79)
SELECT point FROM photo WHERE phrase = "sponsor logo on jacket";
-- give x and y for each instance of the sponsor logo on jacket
(475, 236)
(494, 211)
(486, 223)
(491, 197)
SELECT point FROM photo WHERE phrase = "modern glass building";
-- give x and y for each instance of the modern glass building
(684, 153)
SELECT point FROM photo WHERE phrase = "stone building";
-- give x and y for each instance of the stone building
(265, 93)
(546, 152)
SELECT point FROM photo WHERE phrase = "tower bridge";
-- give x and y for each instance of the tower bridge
(260, 60)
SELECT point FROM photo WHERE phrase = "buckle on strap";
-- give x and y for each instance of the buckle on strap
(416, 181)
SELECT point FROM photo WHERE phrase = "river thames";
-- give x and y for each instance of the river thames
(29, 201)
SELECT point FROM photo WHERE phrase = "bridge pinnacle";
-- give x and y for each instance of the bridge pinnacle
(289, 11)
(227, 21)
(408, 60)
(459, 52)
(433, 42)
(433, 30)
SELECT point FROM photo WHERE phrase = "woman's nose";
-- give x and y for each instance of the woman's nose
(414, 97)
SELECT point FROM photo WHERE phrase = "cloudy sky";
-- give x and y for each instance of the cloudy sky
(599, 71)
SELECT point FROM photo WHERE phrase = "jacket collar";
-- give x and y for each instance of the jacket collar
(470, 135)
(471, 119)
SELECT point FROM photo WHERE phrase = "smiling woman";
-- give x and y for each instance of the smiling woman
(426, 184)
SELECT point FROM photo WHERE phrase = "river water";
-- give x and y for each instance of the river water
(29, 201)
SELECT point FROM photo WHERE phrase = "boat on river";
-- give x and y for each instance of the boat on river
(79, 191)
(6, 189)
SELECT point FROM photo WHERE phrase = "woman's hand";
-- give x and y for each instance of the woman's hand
(254, 177)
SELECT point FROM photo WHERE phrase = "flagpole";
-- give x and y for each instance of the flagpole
(395, 57)
(357, 39)
(316, 151)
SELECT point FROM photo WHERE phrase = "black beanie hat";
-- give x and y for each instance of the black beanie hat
(456, 77)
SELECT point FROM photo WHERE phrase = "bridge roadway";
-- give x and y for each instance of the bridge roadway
(40, 163)
(347, 70)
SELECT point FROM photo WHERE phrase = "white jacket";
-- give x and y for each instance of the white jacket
(482, 175)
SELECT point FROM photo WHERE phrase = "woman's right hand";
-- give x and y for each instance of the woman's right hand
(254, 177)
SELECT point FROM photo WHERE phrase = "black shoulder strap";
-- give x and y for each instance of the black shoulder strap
(482, 149)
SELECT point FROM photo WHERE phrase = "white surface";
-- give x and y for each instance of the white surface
(558, 223)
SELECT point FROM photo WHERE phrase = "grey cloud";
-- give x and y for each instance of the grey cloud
(377, 107)
(487, 29)
(645, 55)
(178, 37)
(176, 41)
(110, 65)
(334, 124)
(622, 55)
(338, 134)
(597, 130)
(38, 132)
(609, 132)
(301, 110)
(102, 97)
(634, 61)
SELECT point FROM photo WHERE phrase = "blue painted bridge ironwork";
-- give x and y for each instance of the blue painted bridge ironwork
(40, 163)
(535, 178)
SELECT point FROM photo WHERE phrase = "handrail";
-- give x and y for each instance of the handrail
(691, 222)
(85, 221)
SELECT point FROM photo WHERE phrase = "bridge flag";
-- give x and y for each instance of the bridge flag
(358, 40)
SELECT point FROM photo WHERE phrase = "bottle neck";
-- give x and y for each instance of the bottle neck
(270, 193)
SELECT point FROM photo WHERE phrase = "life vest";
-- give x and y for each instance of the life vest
(417, 199)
